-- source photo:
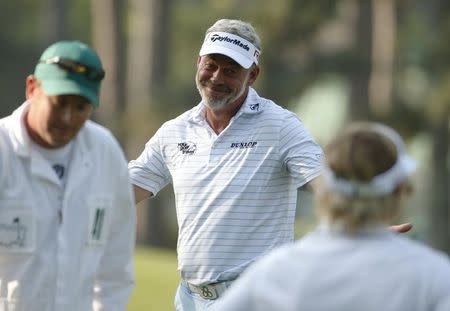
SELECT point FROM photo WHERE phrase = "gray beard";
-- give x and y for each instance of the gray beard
(217, 104)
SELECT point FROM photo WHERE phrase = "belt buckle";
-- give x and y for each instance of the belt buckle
(208, 292)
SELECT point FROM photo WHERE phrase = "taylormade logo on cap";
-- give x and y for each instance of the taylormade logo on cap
(231, 45)
(235, 41)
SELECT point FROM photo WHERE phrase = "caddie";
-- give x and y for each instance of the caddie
(67, 218)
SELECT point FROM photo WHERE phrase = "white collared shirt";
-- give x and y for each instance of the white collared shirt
(58, 158)
(64, 248)
(329, 270)
(235, 192)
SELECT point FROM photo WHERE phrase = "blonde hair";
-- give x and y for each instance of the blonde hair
(357, 155)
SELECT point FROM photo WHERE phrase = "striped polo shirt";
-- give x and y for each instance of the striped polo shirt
(235, 192)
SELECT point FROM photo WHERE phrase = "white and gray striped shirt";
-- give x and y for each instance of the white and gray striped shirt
(235, 192)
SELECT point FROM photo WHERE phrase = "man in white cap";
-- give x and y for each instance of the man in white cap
(67, 215)
(235, 161)
(351, 261)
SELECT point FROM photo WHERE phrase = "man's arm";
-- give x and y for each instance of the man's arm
(310, 186)
(141, 194)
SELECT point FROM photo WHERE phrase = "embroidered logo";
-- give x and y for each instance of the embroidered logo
(254, 107)
(256, 54)
(237, 42)
(187, 147)
(244, 145)
(13, 235)
(59, 170)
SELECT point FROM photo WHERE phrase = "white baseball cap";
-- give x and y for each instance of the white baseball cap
(231, 45)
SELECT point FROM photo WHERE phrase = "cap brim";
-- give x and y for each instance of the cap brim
(69, 87)
(236, 56)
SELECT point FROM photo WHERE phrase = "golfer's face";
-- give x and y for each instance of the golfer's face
(220, 80)
(53, 121)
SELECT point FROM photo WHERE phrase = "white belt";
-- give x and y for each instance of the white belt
(208, 291)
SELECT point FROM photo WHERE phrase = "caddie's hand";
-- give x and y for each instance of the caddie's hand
(402, 228)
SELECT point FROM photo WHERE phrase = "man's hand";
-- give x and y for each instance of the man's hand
(402, 228)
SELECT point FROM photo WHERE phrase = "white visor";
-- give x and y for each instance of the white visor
(382, 184)
(233, 46)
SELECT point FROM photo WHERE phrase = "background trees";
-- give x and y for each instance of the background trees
(330, 61)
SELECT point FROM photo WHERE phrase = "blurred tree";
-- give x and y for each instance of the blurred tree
(27, 27)
(388, 51)
(291, 60)
(384, 31)
(437, 109)
(108, 39)
(54, 13)
(148, 50)
(361, 66)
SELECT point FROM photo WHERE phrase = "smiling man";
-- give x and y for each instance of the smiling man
(235, 161)
(67, 220)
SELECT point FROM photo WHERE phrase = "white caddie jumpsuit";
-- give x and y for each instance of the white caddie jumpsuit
(64, 249)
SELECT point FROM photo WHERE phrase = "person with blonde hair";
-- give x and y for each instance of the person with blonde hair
(352, 260)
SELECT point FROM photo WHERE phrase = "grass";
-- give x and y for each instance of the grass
(157, 279)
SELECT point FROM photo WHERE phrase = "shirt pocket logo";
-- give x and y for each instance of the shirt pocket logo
(17, 228)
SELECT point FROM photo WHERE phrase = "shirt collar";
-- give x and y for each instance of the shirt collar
(20, 138)
(252, 105)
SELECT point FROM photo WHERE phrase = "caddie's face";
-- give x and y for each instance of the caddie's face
(223, 82)
(53, 121)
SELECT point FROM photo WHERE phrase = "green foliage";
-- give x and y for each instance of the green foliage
(293, 58)
(79, 20)
(156, 280)
(18, 21)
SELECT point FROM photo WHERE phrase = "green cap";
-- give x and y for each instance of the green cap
(70, 68)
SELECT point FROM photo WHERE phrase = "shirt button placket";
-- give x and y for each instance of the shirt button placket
(61, 261)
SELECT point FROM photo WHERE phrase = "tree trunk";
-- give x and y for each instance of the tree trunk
(360, 74)
(54, 20)
(108, 40)
(440, 209)
(383, 52)
(439, 119)
(147, 71)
